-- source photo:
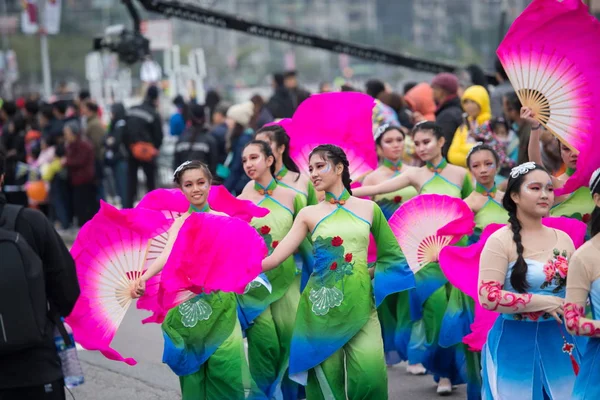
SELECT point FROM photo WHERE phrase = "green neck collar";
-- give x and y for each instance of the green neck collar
(570, 171)
(437, 168)
(204, 209)
(396, 167)
(266, 190)
(282, 173)
(479, 188)
(331, 198)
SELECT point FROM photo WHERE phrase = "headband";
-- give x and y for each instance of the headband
(522, 169)
(595, 180)
(181, 167)
(478, 144)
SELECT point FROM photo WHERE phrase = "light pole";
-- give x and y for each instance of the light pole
(44, 49)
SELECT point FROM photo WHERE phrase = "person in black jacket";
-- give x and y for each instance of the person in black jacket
(13, 141)
(35, 373)
(196, 143)
(116, 155)
(143, 125)
(281, 104)
(449, 114)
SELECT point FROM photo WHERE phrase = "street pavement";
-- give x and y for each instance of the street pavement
(152, 380)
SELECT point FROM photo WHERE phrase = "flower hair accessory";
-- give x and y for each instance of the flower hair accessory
(478, 144)
(522, 169)
(183, 164)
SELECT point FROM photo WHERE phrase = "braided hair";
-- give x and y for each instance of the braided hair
(595, 189)
(278, 135)
(266, 150)
(188, 165)
(337, 156)
(518, 276)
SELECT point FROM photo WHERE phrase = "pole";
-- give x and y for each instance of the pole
(6, 89)
(44, 49)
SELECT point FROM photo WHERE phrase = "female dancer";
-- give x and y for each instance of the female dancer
(579, 204)
(288, 175)
(522, 275)
(486, 199)
(337, 349)
(203, 338)
(268, 317)
(584, 283)
(438, 177)
(287, 172)
(390, 148)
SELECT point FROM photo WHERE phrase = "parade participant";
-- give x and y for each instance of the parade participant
(268, 317)
(579, 204)
(522, 275)
(203, 338)
(583, 284)
(288, 175)
(390, 148)
(437, 177)
(486, 199)
(337, 348)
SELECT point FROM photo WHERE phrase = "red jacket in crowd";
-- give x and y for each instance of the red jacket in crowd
(80, 162)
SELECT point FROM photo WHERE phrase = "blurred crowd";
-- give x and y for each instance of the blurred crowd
(62, 158)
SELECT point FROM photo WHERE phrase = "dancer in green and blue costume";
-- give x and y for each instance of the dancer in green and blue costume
(390, 149)
(337, 350)
(203, 338)
(288, 175)
(420, 319)
(268, 317)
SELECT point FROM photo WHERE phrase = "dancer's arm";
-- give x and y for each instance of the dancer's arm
(534, 151)
(289, 244)
(581, 276)
(391, 185)
(493, 267)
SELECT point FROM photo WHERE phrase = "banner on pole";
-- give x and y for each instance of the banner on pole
(30, 16)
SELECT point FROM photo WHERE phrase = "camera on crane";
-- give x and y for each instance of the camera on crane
(131, 47)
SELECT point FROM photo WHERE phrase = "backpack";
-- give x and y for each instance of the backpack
(23, 303)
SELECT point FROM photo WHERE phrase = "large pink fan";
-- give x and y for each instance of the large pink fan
(343, 119)
(173, 204)
(461, 267)
(417, 222)
(551, 54)
(109, 256)
(202, 260)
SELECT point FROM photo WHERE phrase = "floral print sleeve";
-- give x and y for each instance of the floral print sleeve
(581, 276)
(493, 268)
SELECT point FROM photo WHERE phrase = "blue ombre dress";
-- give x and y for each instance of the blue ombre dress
(523, 357)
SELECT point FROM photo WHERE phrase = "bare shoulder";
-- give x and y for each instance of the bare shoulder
(373, 178)
(459, 171)
(249, 186)
(219, 213)
(362, 207)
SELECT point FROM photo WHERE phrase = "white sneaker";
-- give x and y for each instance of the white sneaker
(416, 369)
(444, 387)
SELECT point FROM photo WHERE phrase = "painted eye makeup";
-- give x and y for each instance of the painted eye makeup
(326, 167)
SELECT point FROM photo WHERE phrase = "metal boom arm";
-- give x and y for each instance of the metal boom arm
(195, 13)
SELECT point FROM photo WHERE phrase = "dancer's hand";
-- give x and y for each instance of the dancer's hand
(558, 314)
(138, 289)
(528, 115)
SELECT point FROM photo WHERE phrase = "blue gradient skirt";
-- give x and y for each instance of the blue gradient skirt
(587, 384)
(523, 360)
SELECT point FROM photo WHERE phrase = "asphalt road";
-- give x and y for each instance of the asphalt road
(152, 380)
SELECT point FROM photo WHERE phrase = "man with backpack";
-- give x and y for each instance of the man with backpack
(38, 285)
(143, 138)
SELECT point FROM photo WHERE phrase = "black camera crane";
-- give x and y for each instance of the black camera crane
(195, 13)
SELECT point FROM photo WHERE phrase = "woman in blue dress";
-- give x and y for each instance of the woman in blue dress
(522, 276)
(584, 284)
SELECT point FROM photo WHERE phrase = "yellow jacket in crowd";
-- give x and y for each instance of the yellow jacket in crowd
(461, 144)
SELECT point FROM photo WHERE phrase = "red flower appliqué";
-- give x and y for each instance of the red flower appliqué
(265, 230)
(586, 218)
(348, 257)
(337, 241)
(549, 271)
(333, 266)
(562, 266)
(397, 199)
(275, 243)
